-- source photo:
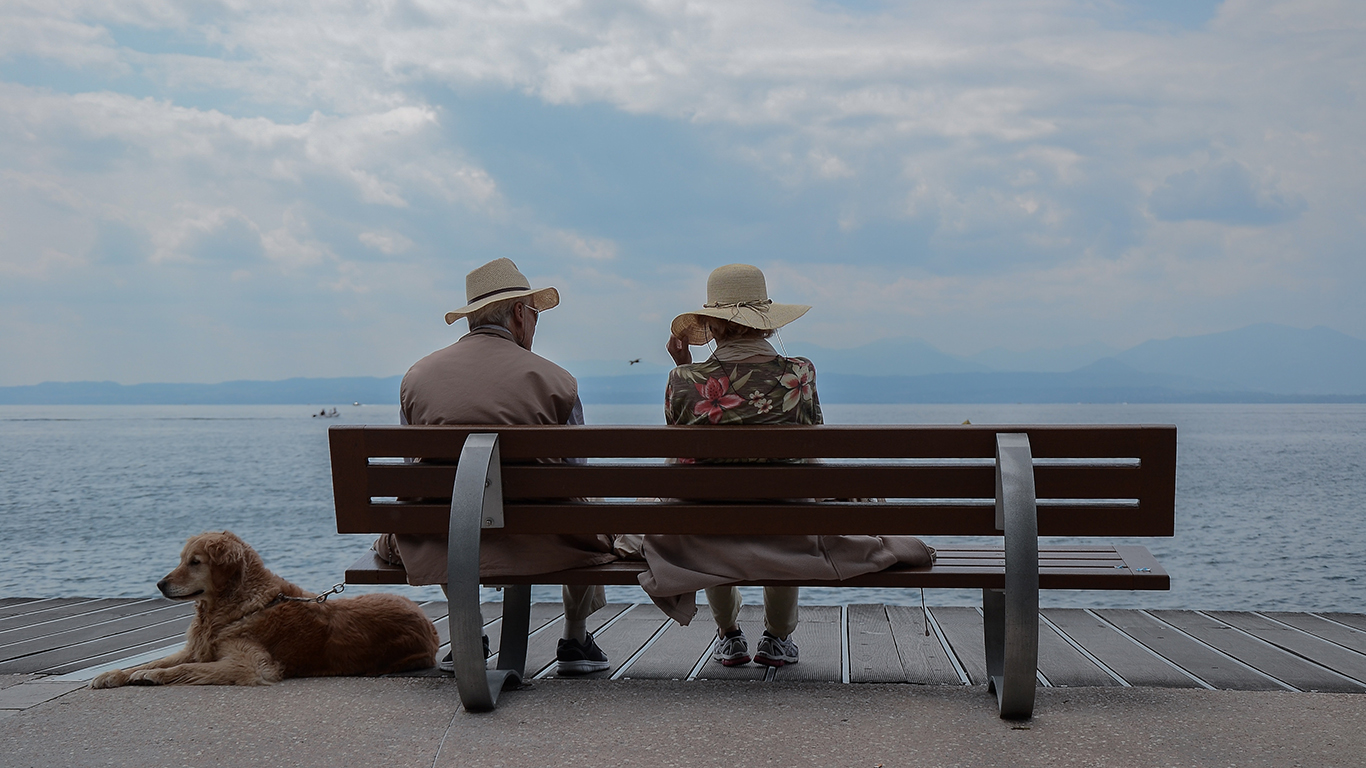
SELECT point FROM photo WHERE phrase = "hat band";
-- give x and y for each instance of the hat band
(496, 292)
(762, 306)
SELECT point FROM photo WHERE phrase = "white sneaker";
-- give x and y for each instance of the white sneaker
(732, 650)
(775, 651)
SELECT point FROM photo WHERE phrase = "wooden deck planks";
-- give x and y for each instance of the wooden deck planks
(962, 629)
(1062, 665)
(99, 628)
(1126, 657)
(1260, 655)
(53, 659)
(924, 659)
(1353, 620)
(1224, 649)
(1327, 662)
(26, 611)
(1318, 626)
(873, 656)
(674, 655)
(96, 612)
(1189, 653)
(76, 664)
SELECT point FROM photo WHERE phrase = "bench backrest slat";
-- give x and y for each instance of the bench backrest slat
(771, 481)
(773, 442)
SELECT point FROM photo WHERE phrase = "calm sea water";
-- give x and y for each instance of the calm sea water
(97, 500)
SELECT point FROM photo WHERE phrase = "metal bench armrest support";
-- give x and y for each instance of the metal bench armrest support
(477, 503)
(1011, 616)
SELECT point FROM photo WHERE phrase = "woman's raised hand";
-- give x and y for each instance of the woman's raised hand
(679, 351)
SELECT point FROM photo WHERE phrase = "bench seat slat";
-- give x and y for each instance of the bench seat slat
(757, 519)
(1059, 568)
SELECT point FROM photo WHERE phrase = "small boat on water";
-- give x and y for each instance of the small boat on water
(326, 414)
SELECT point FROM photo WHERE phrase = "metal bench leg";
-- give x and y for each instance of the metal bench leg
(516, 627)
(476, 503)
(1011, 616)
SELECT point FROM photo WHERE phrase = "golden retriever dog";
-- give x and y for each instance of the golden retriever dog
(246, 631)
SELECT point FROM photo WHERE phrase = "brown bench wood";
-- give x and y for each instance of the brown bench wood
(1112, 481)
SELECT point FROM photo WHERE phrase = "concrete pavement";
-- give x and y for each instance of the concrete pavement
(418, 722)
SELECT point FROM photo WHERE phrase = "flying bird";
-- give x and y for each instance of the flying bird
(633, 362)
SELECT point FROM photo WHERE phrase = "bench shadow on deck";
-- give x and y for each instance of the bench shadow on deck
(68, 640)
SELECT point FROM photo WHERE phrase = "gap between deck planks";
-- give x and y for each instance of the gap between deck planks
(862, 643)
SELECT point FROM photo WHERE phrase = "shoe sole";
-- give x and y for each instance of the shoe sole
(581, 667)
(772, 662)
(732, 662)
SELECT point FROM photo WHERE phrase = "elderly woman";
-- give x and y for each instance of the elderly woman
(746, 381)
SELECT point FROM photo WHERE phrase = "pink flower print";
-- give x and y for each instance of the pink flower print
(760, 403)
(714, 398)
(799, 385)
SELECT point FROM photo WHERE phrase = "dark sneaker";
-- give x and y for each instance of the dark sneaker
(775, 651)
(447, 664)
(732, 650)
(575, 658)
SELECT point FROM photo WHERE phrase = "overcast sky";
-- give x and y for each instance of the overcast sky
(205, 191)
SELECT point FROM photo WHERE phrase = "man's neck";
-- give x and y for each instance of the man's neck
(500, 330)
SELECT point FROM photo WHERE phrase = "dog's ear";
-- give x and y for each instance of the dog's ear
(225, 549)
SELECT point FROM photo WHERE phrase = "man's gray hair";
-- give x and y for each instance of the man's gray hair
(497, 313)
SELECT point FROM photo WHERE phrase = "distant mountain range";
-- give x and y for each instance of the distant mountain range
(1260, 363)
(1274, 359)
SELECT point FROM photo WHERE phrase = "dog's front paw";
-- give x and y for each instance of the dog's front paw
(145, 677)
(111, 679)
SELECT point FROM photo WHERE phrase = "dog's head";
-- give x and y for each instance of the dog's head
(211, 564)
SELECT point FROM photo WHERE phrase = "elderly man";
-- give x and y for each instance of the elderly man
(491, 376)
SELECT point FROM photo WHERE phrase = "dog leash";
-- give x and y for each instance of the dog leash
(283, 598)
(336, 589)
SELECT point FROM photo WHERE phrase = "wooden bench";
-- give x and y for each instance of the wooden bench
(1010, 483)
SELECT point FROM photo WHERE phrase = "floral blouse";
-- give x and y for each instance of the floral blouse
(778, 391)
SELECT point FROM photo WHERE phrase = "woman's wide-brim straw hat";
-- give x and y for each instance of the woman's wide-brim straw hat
(500, 280)
(738, 293)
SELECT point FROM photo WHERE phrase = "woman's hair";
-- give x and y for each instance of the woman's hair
(725, 329)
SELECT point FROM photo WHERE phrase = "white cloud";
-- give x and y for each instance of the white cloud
(46, 264)
(966, 164)
(583, 246)
(387, 243)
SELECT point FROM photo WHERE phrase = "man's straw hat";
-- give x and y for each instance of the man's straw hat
(738, 293)
(499, 280)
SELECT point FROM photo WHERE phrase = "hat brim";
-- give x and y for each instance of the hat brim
(690, 327)
(541, 300)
